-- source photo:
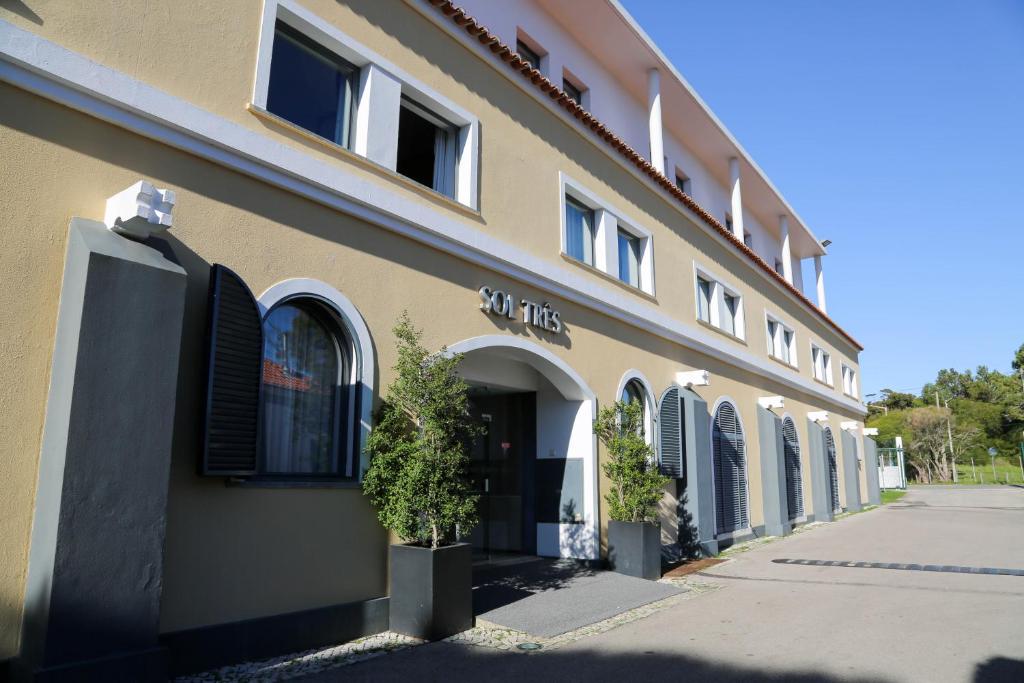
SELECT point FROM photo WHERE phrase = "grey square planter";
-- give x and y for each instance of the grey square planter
(431, 590)
(634, 549)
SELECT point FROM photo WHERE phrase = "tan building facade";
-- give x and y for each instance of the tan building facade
(510, 202)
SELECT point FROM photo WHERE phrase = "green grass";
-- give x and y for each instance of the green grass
(983, 470)
(892, 495)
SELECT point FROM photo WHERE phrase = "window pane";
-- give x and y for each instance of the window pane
(633, 393)
(527, 54)
(574, 93)
(787, 340)
(579, 232)
(309, 87)
(426, 151)
(772, 329)
(729, 314)
(704, 300)
(629, 259)
(301, 396)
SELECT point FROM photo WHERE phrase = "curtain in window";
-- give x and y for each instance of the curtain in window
(301, 395)
(704, 300)
(629, 259)
(444, 161)
(579, 232)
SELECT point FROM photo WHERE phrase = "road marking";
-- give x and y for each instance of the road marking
(948, 568)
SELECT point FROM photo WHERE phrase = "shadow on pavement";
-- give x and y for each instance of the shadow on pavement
(1000, 670)
(448, 662)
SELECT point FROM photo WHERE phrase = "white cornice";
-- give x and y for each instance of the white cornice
(51, 71)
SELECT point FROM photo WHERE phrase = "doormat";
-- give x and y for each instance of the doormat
(692, 567)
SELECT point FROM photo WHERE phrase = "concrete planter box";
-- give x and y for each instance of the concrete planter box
(431, 590)
(634, 549)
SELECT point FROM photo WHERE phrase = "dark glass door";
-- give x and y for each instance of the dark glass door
(501, 461)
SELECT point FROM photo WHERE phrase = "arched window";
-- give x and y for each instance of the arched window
(794, 480)
(833, 471)
(634, 392)
(730, 469)
(306, 391)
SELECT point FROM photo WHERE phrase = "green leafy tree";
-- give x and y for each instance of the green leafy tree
(419, 460)
(636, 483)
(896, 400)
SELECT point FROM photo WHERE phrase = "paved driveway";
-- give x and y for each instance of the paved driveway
(772, 621)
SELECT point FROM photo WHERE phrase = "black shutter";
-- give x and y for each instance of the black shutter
(794, 479)
(670, 434)
(234, 377)
(833, 472)
(730, 456)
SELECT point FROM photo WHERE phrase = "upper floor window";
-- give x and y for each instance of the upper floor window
(305, 395)
(849, 381)
(311, 86)
(748, 239)
(685, 184)
(778, 266)
(575, 93)
(822, 362)
(530, 52)
(629, 258)
(719, 305)
(579, 231)
(426, 148)
(781, 342)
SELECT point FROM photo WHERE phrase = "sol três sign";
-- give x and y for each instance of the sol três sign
(497, 302)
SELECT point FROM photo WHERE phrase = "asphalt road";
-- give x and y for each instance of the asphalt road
(770, 621)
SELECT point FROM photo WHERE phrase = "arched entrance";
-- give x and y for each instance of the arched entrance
(535, 467)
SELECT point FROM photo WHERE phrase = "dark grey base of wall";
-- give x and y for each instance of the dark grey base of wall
(142, 665)
(209, 647)
(756, 532)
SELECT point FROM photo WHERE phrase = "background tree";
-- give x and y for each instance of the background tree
(929, 445)
(419, 459)
(636, 483)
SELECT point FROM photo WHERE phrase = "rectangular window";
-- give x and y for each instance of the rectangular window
(778, 266)
(528, 54)
(704, 300)
(629, 258)
(728, 222)
(748, 239)
(822, 362)
(683, 182)
(730, 311)
(579, 231)
(781, 342)
(849, 382)
(310, 86)
(574, 93)
(426, 148)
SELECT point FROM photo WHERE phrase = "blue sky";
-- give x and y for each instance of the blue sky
(895, 129)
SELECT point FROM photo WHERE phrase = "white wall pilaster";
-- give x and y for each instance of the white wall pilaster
(654, 119)
(736, 198)
(787, 254)
(819, 277)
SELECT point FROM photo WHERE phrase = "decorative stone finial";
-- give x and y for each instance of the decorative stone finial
(871, 431)
(771, 402)
(849, 425)
(140, 211)
(818, 416)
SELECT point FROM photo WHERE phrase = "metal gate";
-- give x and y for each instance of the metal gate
(833, 470)
(730, 456)
(891, 474)
(794, 482)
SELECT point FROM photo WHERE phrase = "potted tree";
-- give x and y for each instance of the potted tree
(634, 535)
(418, 481)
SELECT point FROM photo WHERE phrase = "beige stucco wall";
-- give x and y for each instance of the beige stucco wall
(236, 553)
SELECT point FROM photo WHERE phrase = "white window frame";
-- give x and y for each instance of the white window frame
(719, 288)
(608, 221)
(378, 105)
(776, 344)
(826, 368)
(849, 381)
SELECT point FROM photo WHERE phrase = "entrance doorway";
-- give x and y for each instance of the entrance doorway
(502, 472)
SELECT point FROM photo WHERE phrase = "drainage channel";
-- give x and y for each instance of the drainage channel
(948, 568)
